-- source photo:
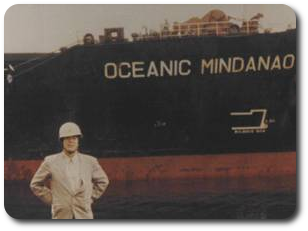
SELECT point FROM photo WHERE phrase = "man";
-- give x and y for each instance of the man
(76, 180)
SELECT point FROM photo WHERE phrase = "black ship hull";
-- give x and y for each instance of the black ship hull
(193, 95)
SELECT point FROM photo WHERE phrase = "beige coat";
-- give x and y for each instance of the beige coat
(65, 202)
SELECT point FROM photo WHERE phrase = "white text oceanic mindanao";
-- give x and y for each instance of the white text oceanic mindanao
(205, 66)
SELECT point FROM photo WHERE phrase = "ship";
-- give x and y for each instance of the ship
(203, 98)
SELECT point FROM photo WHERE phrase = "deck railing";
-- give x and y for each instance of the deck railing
(222, 28)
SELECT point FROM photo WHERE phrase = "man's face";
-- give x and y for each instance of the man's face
(71, 144)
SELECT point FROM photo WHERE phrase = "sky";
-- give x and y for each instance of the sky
(46, 28)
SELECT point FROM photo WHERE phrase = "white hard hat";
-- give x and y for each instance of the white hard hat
(69, 129)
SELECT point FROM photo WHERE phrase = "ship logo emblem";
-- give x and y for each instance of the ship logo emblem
(253, 121)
